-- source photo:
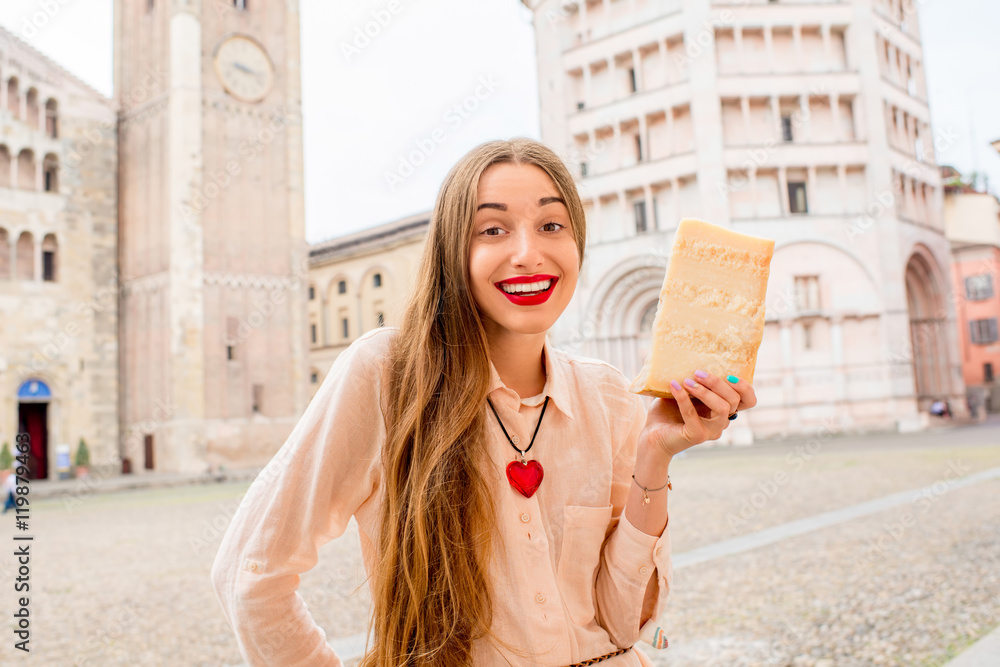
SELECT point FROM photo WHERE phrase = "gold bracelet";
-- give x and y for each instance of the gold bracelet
(645, 491)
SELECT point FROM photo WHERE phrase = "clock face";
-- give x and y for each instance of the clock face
(244, 68)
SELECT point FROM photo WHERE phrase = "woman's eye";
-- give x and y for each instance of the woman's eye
(492, 231)
(552, 226)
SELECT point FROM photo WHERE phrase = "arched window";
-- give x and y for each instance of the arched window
(50, 169)
(26, 170)
(13, 98)
(4, 167)
(49, 249)
(32, 109)
(52, 118)
(25, 269)
(4, 255)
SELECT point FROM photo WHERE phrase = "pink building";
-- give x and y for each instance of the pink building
(972, 223)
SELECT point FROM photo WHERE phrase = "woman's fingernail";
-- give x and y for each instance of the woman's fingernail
(675, 385)
(732, 378)
(689, 382)
(701, 374)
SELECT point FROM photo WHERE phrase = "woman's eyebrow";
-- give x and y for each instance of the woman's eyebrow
(541, 202)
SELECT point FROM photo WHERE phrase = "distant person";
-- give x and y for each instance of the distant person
(414, 427)
(939, 408)
(8, 491)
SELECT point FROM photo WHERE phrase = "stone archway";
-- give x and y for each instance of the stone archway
(623, 307)
(928, 329)
(33, 397)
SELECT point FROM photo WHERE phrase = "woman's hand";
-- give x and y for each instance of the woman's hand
(673, 425)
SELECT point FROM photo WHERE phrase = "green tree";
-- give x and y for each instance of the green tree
(6, 459)
(82, 454)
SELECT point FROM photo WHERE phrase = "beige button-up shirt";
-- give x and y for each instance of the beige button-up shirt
(573, 579)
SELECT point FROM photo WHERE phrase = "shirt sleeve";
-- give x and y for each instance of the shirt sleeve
(302, 499)
(635, 573)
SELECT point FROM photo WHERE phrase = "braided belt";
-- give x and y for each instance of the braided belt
(594, 661)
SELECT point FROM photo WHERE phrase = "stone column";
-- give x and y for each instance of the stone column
(671, 142)
(648, 198)
(783, 186)
(835, 114)
(827, 46)
(627, 221)
(640, 84)
(769, 47)
(811, 191)
(37, 251)
(738, 45)
(745, 108)
(610, 63)
(643, 139)
(787, 363)
(776, 113)
(837, 353)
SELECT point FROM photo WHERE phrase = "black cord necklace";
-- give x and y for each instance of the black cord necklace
(524, 476)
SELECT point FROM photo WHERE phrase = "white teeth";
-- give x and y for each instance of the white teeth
(514, 288)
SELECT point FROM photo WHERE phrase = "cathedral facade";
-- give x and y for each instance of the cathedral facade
(153, 264)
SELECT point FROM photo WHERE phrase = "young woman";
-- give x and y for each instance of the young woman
(511, 498)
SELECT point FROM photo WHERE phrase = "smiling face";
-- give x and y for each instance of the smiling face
(523, 257)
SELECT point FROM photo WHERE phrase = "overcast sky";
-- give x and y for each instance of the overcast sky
(364, 110)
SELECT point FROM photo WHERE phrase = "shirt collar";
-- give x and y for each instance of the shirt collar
(556, 386)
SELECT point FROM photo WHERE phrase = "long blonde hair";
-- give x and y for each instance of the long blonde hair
(431, 593)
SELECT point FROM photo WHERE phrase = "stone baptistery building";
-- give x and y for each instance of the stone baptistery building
(807, 123)
(153, 270)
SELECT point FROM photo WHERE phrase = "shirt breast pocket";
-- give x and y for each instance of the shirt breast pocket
(580, 557)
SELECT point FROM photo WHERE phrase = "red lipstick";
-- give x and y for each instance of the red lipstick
(528, 298)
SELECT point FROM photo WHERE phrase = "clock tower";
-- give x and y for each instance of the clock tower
(212, 260)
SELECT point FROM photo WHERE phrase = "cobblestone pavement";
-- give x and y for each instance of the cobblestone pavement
(123, 578)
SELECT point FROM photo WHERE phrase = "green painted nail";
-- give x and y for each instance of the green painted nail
(732, 378)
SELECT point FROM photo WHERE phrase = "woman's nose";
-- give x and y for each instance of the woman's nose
(526, 251)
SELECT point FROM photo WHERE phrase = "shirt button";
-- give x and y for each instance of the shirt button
(643, 570)
(659, 551)
(539, 598)
(525, 518)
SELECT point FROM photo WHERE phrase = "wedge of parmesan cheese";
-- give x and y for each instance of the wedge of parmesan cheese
(711, 310)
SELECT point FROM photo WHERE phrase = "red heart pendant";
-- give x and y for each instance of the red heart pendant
(525, 477)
